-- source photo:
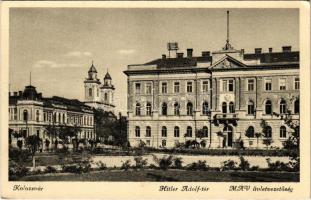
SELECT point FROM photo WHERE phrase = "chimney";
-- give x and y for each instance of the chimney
(189, 53)
(270, 50)
(206, 53)
(163, 56)
(179, 55)
(15, 94)
(20, 93)
(286, 48)
(257, 50)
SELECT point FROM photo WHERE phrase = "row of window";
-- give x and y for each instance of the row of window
(250, 132)
(176, 131)
(227, 86)
(60, 118)
(225, 108)
(205, 109)
(268, 84)
(176, 88)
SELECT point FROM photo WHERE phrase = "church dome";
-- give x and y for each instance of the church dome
(30, 93)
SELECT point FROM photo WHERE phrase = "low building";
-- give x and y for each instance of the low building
(30, 113)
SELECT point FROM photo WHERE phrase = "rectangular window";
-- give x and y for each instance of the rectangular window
(137, 88)
(176, 87)
(189, 87)
(230, 85)
(205, 86)
(268, 84)
(297, 83)
(148, 88)
(250, 85)
(224, 85)
(282, 83)
(164, 88)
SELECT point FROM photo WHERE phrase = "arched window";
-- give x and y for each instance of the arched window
(25, 115)
(90, 92)
(268, 107)
(164, 108)
(205, 131)
(268, 132)
(282, 132)
(148, 131)
(176, 109)
(164, 131)
(296, 107)
(224, 107)
(250, 132)
(176, 131)
(148, 109)
(189, 108)
(205, 108)
(231, 107)
(106, 96)
(64, 120)
(250, 108)
(189, 131)
(137, 110)
(37, 115)
(54, 117)
(282, 106)
(59, 117)
(137, 131)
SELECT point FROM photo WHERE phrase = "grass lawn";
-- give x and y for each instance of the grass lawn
(170, 175)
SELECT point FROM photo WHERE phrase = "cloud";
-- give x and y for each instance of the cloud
(126, 51)
(78, 54)
(52, 64)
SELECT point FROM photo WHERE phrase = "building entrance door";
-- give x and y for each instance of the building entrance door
(228, 131)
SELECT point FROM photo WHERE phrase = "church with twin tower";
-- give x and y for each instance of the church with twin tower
(99, 95)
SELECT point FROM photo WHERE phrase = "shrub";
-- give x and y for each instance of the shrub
(98, 150)
(254, 168)
(71, 169)
(278, 165)
(16, 171)
(126, 165)
(200, 165)
(229, 165)
(37, 171)
(244, 164)
(101, 165)
(178, 163)
(50, 169)
(165, 162)
(19, 155)
(140, 162)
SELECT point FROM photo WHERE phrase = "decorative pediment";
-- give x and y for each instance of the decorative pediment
(228, 62)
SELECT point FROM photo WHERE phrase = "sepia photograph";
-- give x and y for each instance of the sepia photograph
(155, 94)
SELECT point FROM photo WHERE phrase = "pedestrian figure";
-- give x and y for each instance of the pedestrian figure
(47, 144)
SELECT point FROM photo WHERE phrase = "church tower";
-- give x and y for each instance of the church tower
(107, 93)
(91, 88)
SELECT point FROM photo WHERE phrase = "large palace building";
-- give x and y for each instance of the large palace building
(225, 95)
(30, 114)
(99, 95)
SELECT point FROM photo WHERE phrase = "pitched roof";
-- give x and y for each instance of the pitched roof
(107, 76)
(92, 69)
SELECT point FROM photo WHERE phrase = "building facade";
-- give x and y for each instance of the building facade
(30, 114)
(224, 95)
(99, 95)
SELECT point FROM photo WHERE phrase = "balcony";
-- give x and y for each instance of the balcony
(226, 116)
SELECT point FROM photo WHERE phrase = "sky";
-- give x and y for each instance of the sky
(58, 44)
